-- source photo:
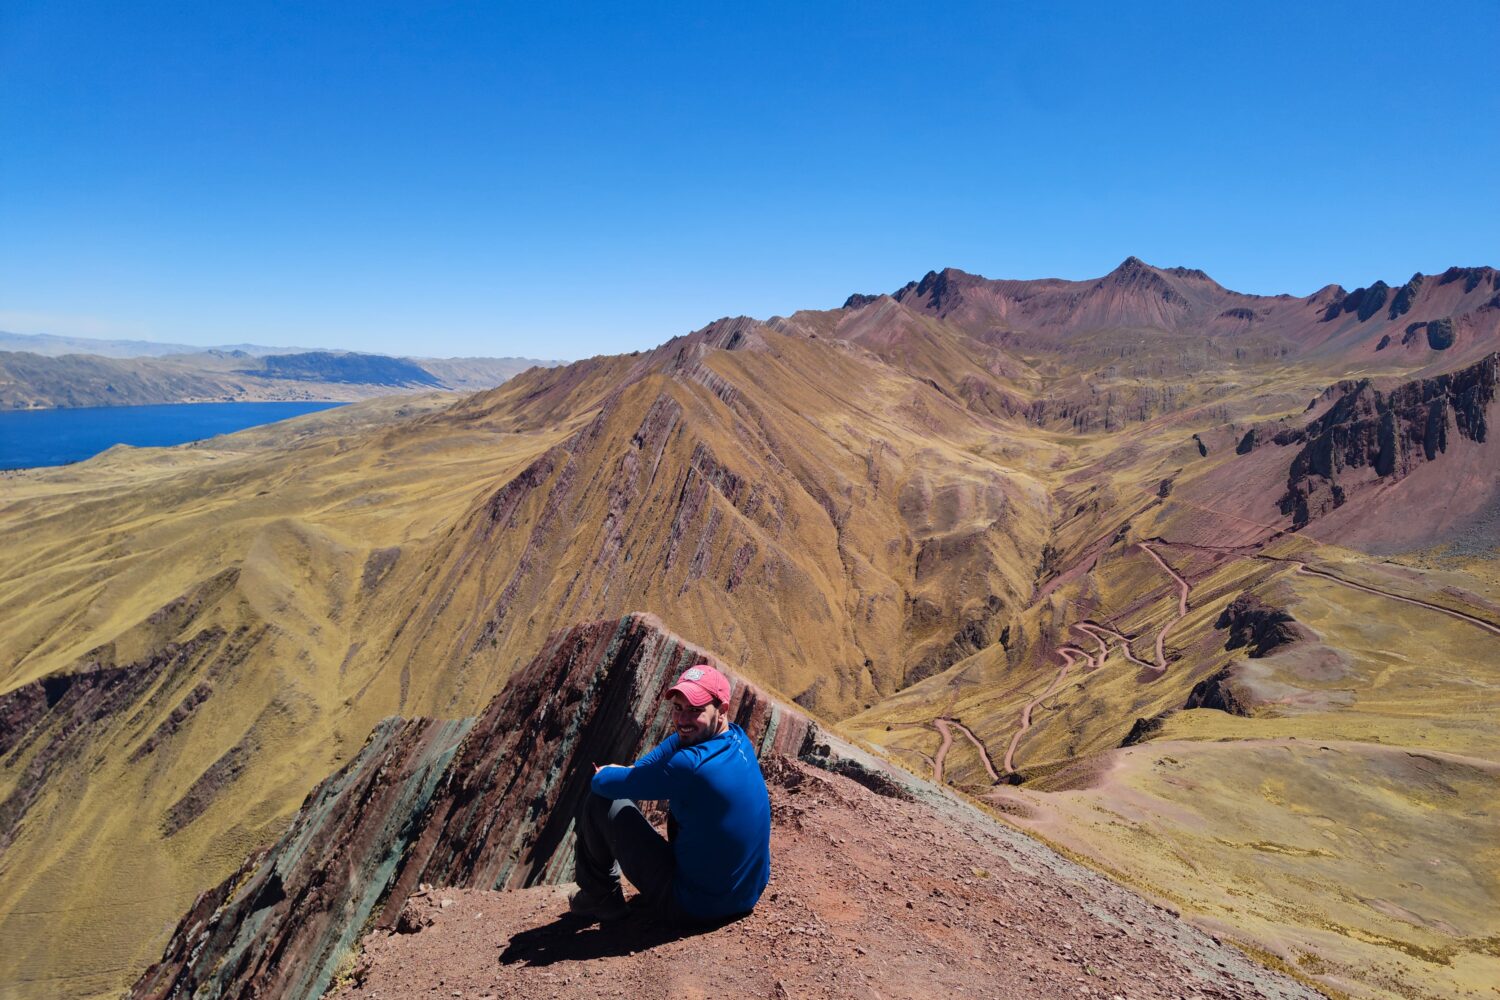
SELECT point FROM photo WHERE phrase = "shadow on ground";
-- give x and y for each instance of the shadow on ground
(571, 938)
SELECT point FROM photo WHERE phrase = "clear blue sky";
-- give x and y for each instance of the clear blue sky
(559, 180)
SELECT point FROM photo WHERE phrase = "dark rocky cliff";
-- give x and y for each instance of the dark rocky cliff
(484, 803)
(1254, 623)
(1390, 433)
(1219, 692)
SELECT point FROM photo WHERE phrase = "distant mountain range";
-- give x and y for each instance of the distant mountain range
(54, 346)
(44, 372)
(1202, 587)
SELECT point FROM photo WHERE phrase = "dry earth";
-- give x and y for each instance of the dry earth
(870, 897)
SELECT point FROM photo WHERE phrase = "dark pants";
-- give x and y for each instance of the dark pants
(613, 836)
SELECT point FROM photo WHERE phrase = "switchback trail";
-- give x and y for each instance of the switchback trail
(946, 727)
(1182, 606)
(1095, 662)
(1073, 655)
(1070, 656)
(1098, 631)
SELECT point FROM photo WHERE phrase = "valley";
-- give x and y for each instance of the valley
(1195, 586)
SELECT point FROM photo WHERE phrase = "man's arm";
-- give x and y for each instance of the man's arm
(654, 758)
(660, 753)
(655, 780)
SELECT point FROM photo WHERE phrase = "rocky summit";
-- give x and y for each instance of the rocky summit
(1199, 588)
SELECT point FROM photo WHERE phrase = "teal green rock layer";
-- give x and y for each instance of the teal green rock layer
(486, 802)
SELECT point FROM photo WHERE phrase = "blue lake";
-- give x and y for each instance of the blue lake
(31, 438)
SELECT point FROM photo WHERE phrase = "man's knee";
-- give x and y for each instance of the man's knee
(594, 810)
(600, 813)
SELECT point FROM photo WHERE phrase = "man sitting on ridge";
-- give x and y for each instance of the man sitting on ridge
(718, 859)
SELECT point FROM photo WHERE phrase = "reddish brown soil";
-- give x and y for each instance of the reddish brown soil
(870, 897)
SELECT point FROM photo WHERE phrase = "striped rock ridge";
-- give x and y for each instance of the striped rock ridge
(469, 803)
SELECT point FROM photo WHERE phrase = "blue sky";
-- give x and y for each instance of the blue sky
(565, 180)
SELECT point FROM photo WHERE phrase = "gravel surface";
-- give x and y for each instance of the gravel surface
(870, 897)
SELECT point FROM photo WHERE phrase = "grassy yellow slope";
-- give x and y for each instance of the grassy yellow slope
(1339, 818)
(234, 618)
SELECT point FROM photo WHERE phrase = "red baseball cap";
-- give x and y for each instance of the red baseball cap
(702, 684)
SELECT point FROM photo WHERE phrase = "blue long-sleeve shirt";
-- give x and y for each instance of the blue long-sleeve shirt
(718, 798)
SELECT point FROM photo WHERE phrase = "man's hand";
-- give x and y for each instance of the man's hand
(600, 767)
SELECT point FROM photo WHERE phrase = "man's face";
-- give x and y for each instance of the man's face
(692, 723)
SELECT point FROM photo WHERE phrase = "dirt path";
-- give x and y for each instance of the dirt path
(1090, 557)
(1182, 606)
(1089, 663)
(946, 726)
(1098, 631)
(1323, 574)
(942, 751)
(1302, 567)
(1098, 637)
(1073, 655)
(1070, 658)
(984, 753)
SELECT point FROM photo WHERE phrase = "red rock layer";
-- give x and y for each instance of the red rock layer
(1389, 433)
(486, 803)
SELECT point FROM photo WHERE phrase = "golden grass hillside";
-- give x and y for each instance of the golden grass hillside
(1340, 818)
(268, 599)
(912, 515)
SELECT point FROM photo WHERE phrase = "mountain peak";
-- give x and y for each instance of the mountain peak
(859, 300)
(1134, 267)
(1136, 273)
(1133, 270)
(938, 288)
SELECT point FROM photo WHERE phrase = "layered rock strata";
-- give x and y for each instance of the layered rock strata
(474, 803)
(1387, 433)
(58, 723)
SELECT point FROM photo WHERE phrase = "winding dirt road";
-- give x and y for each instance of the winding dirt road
(1302, 567)
(1070, 658)
(1098, 636)
(942, 751)
(1100, 632)
(946, 727)
(1073, 655)
(1323, 574)
(1182, 606)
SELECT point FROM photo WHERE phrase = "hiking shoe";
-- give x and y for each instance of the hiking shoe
(608, 907)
